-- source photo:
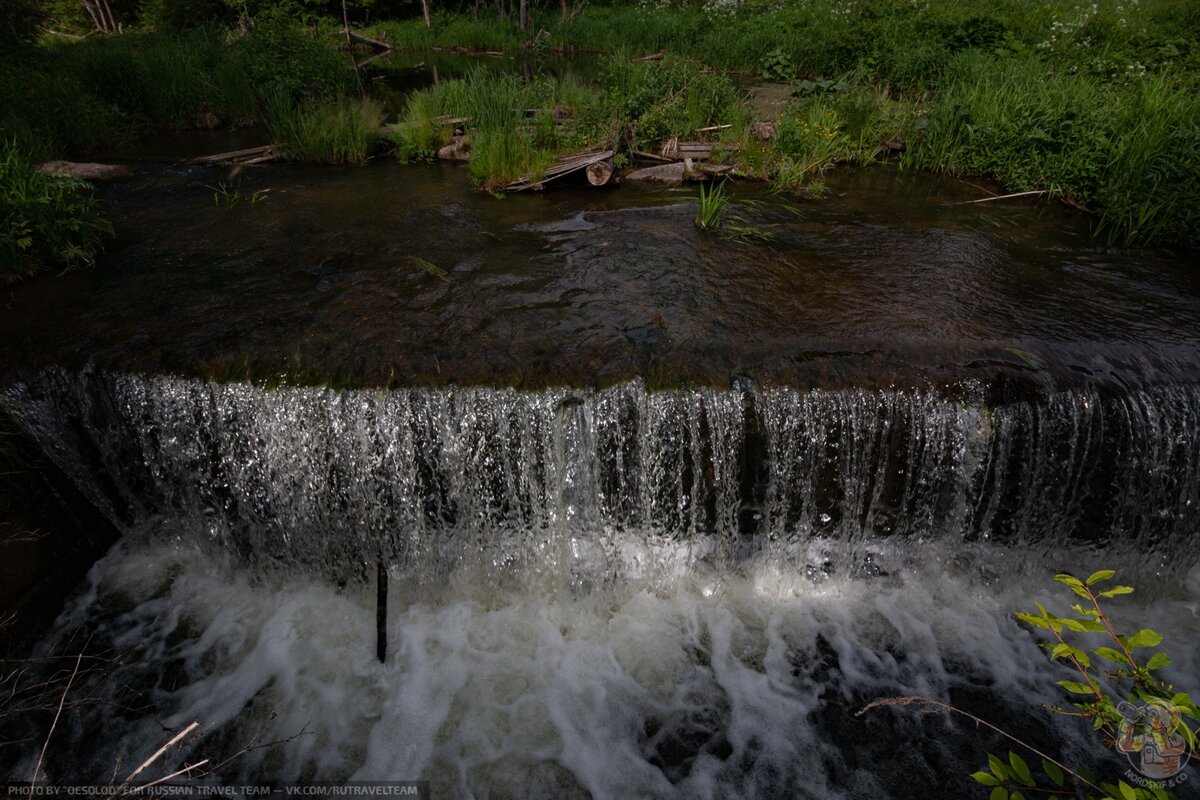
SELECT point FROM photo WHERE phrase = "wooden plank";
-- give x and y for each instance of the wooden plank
(236, 155)
(565, 166)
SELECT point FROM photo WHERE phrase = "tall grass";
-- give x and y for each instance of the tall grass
(505, 141)
(66, 98)
(44, 219)
(339, 131)
(711, 206)
(1127, 149)
(650, 100)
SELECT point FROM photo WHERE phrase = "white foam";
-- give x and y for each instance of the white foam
(551, 690)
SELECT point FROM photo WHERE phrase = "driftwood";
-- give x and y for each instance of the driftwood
(250, 155)
(565, 166)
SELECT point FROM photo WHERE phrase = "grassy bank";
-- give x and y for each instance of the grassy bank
(516, 127)
(44, 219)
(65, 99)
(1095, 103)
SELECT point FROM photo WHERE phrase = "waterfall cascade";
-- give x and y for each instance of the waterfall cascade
(316, 477)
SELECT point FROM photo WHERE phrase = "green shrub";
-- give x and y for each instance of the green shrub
(44, 219)
(281, 57)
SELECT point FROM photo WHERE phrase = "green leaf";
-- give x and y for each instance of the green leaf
(999, 793)
(1061, 649)
(1100, 575)
(1074, 584)
(1115, 656)
(998, 767)
(1158, 661)
(1126, 790)
(1145, 638)
(1053, 772)
(1076, 687)
(1032, 620)
(1082, 625)
(1020, 769)
(986, 778)
(1016, 796)
(1117, 590)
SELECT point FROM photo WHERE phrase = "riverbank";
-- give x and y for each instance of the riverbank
(1095, 106)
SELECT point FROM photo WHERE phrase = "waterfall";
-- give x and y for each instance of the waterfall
(326, 480)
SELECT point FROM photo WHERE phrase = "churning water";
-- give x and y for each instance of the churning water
(613, 593)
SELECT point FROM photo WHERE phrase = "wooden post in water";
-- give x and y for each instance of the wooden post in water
(381, 589)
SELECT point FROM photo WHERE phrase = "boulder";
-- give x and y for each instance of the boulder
(663, 173)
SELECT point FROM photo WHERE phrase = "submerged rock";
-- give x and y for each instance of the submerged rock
(85, 171)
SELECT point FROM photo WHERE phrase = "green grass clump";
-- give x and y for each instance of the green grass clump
(668, 98)
(711, 207)
(339, 131)
(506, 141)
(44, 219)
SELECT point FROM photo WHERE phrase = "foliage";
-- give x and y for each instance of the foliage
(668, 98)
(228, 197)
(1109, 679)
(506, 142)
(44, 219)
(1097, 103)
(711, 207)
(282, 58)
(1130, 150)
(776, 66)
(339, 131)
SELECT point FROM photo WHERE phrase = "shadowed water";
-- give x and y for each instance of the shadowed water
(383, 273)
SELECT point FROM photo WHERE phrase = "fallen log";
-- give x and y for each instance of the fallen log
(565, 166)
(85, 171)
(652, 57)
(600, 173)
(365, 39)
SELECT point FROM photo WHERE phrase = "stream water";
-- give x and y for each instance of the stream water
(660, 510)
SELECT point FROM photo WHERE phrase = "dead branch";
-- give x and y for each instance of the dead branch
(1002, 197)
(41, 756)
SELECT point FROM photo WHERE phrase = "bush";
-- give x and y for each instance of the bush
(44, 219)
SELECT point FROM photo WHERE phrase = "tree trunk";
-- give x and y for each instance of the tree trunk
(425, 12)
(524, 15)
